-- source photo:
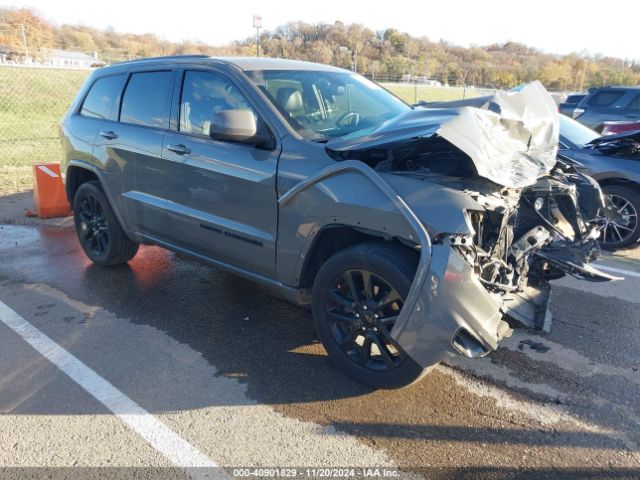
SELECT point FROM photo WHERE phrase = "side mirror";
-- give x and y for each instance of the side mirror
(238, 125)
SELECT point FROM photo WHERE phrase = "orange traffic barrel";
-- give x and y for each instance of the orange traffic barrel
(48, 191)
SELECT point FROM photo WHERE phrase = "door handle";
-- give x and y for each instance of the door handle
(180, 149)
(109, 134)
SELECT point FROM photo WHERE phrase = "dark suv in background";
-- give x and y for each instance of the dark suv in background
(608, 104)
(570, 104)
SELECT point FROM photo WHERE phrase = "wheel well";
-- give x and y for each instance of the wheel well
(621, 182)
(331, 240)
(76, 176)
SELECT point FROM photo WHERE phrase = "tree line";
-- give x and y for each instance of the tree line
(384, 55)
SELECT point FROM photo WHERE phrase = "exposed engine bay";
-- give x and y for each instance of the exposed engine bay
(532, 221)
(534, 235)
(523, 237)
(624, 145)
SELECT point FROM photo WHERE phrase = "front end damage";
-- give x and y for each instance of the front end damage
(527, 220)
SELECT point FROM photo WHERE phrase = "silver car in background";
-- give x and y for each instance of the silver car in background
(614, 161)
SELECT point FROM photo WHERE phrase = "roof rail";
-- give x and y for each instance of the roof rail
(615, 86)
(167, 57)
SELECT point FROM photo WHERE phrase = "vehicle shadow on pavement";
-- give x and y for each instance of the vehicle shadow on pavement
(485, 435)
(242, 329)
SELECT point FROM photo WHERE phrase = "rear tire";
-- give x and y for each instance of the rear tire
(99, 232)
(621, 223)
(357, 296)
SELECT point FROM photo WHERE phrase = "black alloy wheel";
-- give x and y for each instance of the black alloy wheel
(362, 308)
(357, 298)
(619, 222)
(94, 228)
(98, 229)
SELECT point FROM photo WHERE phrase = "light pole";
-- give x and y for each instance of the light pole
(24, 42)
(355, 59)
(257, 24)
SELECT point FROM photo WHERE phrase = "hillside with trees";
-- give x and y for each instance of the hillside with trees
(384, 55)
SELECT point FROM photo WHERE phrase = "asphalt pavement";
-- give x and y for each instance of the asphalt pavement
(168, 363)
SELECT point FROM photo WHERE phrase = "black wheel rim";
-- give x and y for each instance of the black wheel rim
(361, 309)
(93, 226)
(620, 220)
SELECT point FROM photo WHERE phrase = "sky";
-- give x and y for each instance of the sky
(554, 26)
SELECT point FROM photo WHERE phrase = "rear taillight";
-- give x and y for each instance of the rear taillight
(577, 112)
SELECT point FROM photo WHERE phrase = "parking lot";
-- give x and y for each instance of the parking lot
(167, 362)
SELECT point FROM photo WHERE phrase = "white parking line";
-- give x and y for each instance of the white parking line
(621, 271)
(173, 447)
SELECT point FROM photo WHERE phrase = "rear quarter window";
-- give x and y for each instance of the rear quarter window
(147, 99)
(635, 103)
(605, 98)
(574, 99)
(102, 99)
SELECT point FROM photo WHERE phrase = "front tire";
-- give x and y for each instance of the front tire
(99, 232)
(356, 299)
(621, 226)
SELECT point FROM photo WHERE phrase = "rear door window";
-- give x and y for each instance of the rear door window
(635, 103)
(574, 99)
(147, 99)
(102, 99)
(605, 98)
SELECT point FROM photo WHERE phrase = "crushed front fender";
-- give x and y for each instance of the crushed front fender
(447, 310)
(454, 314)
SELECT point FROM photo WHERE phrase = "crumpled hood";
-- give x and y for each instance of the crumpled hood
(511, 137)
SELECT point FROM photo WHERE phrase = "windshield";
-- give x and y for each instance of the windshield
(576, 132)
(323, 105)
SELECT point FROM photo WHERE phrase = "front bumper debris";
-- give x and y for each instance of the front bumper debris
(458, 315)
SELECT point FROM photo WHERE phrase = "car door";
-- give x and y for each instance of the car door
(604, 105)
(134, 145)
(632, 110)
(224, 203)
(99, 109)
(97, 112)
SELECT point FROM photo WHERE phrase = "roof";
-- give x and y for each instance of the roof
(615, 87)
(262, 63)
(244, 63)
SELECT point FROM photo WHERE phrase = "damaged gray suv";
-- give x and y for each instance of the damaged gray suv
(414, 234)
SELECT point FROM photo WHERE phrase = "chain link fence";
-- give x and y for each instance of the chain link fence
(32, 102)
(34, 99)
(413, 93)
(430, 88)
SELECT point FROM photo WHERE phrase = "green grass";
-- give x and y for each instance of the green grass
(32, 102)
(415, 93)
